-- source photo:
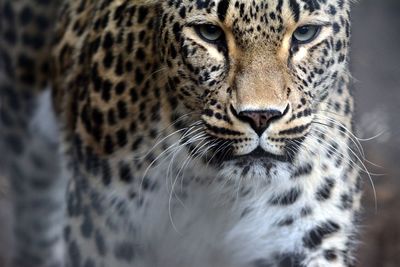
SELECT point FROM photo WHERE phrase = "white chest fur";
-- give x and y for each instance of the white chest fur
(222, 224)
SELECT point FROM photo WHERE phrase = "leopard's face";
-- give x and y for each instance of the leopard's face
(254, 72)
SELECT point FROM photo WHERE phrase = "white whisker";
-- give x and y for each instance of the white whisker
(363, 168)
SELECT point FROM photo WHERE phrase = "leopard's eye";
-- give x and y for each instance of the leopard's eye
(306, 34)
(210, 33)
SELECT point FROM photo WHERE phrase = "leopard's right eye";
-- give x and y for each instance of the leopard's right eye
(210, 33)
(306, 34)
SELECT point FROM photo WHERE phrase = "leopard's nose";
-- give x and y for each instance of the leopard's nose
(260, 120)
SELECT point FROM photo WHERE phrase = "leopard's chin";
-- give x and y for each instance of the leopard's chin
(257, 157)
(256, 169)
(260, 154)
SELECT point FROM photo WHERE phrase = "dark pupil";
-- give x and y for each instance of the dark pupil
(303, 30)
(212, 29)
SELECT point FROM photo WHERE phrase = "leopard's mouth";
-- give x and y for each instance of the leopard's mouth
(257, 155)
(261, 154)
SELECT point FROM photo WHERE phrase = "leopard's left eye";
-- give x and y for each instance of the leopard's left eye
(306, 34)
(210, 33)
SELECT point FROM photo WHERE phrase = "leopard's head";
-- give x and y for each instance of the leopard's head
(254, 73)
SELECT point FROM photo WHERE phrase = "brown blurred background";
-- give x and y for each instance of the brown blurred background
(376, 70)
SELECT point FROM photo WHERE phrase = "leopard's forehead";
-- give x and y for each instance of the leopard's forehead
(260, 10)
(257, 20)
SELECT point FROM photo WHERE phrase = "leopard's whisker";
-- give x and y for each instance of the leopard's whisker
(359, 147)
(351, 150)
(343, 129)
(174, 182)
(362, 168)
(350, 132)
(170, 150)
(330, 147)
(185, 130)
(176, 121)
(225, 144)
(191, 157)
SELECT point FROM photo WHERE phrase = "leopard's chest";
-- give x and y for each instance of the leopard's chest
(184, 222)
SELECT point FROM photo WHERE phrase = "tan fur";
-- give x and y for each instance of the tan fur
(260, 81)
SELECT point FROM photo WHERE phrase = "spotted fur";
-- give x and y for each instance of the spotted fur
(185, 152)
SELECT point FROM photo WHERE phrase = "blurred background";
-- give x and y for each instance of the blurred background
(376, 69)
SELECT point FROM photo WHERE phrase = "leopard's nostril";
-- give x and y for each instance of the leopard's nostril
(259, 120)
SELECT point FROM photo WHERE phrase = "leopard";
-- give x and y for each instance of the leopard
(180, 132)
